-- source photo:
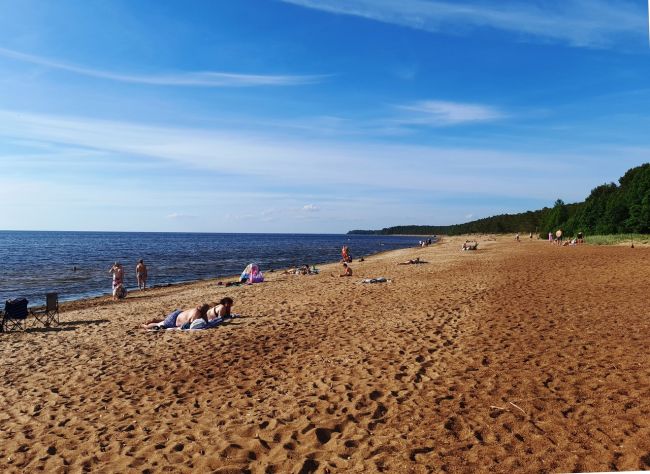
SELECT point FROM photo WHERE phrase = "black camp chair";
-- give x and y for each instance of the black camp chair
(50, 313)
(15, 315)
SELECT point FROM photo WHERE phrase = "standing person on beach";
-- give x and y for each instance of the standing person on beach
(141, 274)
(345, 254)
(118, 277)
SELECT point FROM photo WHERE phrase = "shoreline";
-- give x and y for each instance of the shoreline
(107, 298)
(77, 272)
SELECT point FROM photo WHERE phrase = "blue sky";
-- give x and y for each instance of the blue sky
(313, 115)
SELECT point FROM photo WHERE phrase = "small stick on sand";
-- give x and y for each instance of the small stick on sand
(518, 408)
(497, 408)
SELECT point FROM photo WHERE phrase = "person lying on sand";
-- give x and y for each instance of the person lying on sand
(376, 280)
(412, 262)
(347, 271)
(302, 270)
(468, 245)
(178, 318)
(222, 310)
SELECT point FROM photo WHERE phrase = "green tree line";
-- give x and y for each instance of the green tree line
(609, 209)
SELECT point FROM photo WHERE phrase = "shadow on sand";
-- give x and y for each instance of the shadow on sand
(85, 322)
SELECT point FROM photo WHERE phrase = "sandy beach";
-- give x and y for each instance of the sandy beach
(515, 358)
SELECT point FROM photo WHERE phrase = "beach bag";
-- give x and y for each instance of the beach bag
(120, 292)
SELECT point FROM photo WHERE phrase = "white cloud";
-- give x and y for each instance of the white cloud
(343, 167)
(284, 213)
(443, 113)
(180, 216)
(575, 22)
(469, 216)
(197, 79)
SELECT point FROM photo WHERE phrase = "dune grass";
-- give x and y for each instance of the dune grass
(618, 239)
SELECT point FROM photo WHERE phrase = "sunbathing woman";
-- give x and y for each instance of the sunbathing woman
(178, 318)
(222, 310)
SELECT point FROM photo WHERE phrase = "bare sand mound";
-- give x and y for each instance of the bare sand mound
(518, 357)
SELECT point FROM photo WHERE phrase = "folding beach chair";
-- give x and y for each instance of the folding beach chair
(15, 315)
(50, 313)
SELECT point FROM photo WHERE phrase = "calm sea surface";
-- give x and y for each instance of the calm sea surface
(33, 263)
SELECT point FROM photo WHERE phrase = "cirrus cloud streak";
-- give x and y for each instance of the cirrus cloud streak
(188, 79)
(579, 23)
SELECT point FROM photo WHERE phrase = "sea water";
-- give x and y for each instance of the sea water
(76, 264)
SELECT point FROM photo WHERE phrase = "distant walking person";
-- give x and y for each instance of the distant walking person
(558, 236)
(118, 278)
(141, 274)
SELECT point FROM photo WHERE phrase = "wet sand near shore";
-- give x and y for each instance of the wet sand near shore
(515, 358)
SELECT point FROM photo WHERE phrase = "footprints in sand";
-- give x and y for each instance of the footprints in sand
(310, 385)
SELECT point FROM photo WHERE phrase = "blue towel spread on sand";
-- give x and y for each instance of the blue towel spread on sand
(201, 324)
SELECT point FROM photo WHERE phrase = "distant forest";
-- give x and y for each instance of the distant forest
(609, 209)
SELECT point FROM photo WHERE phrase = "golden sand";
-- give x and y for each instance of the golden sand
(515, 358)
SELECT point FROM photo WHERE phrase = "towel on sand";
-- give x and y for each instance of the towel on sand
(200, 324)
(375, 280)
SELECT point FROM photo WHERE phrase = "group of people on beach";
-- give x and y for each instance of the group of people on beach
(518, 238)
(117, 270)
(559, 238)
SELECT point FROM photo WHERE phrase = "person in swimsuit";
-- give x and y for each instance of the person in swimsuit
(141, 274)
(345, 254)
(347, 271)
(118, 277)
(222, 310)
(178, 318)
